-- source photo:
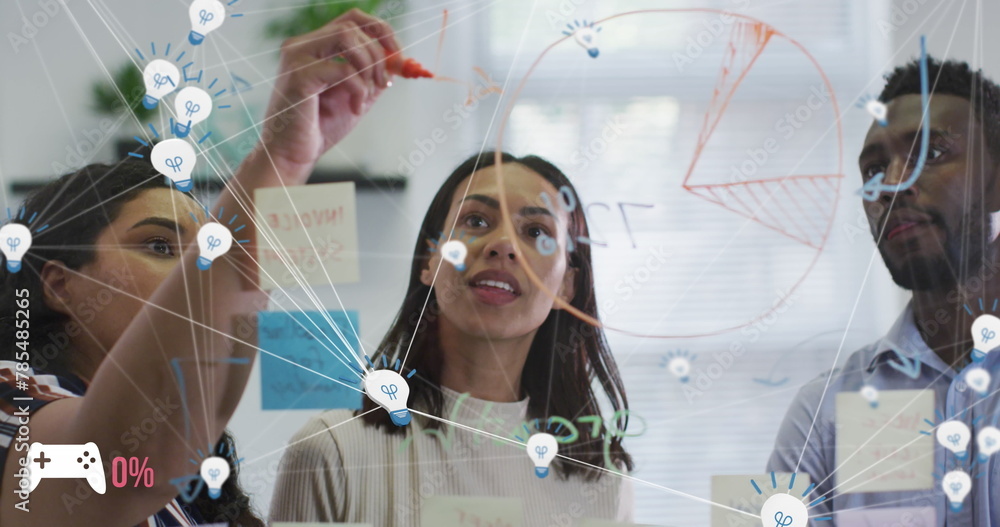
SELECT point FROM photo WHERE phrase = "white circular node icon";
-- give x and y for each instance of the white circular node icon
(542, 449)
(454, 253)
(877, 110)
(784, 510)
(680, 367)
(870, 394)
(389, 390)
(978, 379)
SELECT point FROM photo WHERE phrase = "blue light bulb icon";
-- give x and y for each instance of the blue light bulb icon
(214, 471)
(542, 448)
(784, 510)
(205, 16)
(214, 240)
(985, 331)
(390, 391)
(15, 240)
(956, 485)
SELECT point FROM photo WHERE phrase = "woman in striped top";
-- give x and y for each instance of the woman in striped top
(117, 304)
(495, 354)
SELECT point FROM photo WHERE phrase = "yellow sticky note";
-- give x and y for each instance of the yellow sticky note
(465, 511)
(313, 229)
(881, 449)
(738, 492)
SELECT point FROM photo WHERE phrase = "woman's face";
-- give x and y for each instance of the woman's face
(133, 255)
(492, 297)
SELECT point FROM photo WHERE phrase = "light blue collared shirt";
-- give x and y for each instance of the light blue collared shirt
(870, 365)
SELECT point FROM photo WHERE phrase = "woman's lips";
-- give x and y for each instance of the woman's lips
(493, 296)
(495, 287)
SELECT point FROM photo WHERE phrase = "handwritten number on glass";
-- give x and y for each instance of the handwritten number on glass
(546, 245)
(621, 207)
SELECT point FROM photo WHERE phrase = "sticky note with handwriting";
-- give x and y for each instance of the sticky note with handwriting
(889, 516)
(737, 492)
(315, 233)
(881, 449)
(308, 339)
(466, 511)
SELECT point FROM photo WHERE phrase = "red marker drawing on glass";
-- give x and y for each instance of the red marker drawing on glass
(397, 64)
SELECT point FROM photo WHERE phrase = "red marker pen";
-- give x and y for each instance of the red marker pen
(396, 64)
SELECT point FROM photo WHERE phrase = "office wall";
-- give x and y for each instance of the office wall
(45, 109)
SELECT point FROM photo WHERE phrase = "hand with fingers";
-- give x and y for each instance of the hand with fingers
(328, 79)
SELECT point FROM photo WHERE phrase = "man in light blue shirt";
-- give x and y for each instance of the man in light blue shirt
(938, 239)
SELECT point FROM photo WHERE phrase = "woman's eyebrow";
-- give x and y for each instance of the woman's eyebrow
(160, 222)
(490, 202)
(536, 211)
(486, 200)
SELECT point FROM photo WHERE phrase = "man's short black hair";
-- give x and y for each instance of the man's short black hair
(953, 78)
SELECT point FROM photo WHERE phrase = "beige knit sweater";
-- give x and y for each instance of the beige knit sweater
(340, 470)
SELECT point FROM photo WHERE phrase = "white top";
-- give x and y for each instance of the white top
(336, 470)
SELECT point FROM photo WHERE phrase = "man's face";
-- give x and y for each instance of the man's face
(935, 233)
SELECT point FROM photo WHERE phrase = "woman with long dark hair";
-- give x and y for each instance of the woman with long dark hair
(491, 351)
(110, 309)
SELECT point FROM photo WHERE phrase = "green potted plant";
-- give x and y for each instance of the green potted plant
(316, 14)
(107, 101)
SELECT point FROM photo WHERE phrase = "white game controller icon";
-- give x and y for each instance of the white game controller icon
(66, 461)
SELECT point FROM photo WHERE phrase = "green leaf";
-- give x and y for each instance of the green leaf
(128, 81)
(315, 15)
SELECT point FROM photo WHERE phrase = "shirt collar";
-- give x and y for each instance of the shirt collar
(904, 338)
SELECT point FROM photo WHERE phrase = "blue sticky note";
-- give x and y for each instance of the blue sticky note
(307, 338)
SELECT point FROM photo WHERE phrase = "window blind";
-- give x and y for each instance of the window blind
(685, 248)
